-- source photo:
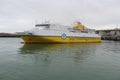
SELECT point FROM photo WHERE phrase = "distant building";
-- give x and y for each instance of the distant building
(110, 34)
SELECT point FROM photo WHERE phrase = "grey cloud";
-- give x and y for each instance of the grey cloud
(16, 14)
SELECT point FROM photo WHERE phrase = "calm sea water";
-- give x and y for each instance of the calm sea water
(83, 61)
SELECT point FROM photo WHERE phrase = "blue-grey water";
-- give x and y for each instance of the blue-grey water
(83, 61)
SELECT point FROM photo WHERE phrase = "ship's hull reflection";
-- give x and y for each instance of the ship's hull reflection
(49, 51)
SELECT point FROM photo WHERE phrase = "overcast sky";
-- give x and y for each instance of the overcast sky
(20, 15)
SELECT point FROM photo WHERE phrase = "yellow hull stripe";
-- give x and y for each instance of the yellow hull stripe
(57, 39)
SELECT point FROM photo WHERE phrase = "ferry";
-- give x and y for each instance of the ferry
(54, 33)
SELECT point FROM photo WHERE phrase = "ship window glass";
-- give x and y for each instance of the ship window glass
(43, 25)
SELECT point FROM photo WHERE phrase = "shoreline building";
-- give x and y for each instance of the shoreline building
(109, 34)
